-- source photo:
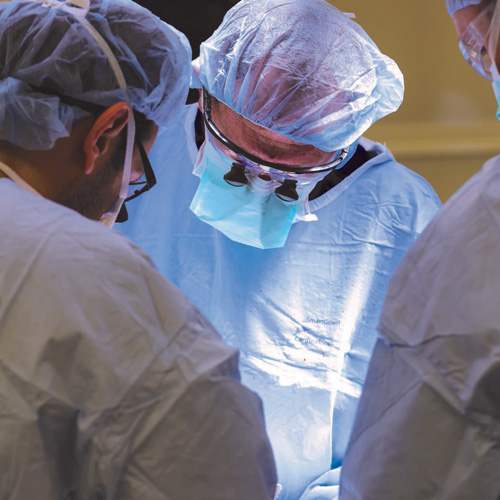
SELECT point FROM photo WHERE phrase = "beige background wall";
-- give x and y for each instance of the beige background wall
(446, 126)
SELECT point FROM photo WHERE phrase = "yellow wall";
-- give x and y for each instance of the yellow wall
(446, 127)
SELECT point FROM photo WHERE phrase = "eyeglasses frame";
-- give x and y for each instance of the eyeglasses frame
(217, 134)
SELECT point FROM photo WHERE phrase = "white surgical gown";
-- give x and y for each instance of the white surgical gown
(304, 316)
(112, 385)
(428, 424)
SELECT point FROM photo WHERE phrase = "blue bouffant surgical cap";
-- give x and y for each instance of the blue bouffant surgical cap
(454, 5)
(45, 53)
(302, 69)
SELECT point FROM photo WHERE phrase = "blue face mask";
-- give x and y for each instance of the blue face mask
(252, 213)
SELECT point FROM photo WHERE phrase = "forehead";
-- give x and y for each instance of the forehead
(264, 143)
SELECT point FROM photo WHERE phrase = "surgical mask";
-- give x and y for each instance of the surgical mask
(252, 205)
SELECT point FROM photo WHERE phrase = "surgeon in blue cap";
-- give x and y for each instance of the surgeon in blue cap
(288, 232)
(428, 420)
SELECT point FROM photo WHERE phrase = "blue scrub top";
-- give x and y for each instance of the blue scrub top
(303, 316)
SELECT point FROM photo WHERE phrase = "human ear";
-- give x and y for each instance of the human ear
(107, 127)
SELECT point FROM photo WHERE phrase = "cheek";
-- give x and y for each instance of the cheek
(110, 187)
(136, 169)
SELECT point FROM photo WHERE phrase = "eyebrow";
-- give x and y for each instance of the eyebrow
(299, 157)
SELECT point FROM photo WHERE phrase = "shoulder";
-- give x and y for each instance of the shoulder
(476, 200)
(69, 237)
(458, 251)
(94, 298)
(395, 192)
(394, 178)
(62, 255)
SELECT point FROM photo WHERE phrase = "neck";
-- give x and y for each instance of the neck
(48, 172)
(360, 157)
(14, 177)
(19, 167)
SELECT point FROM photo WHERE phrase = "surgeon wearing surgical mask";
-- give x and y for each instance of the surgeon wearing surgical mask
(253, 193)
(427, 422)
(287, 233)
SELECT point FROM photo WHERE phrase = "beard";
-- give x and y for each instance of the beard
(93, 196)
